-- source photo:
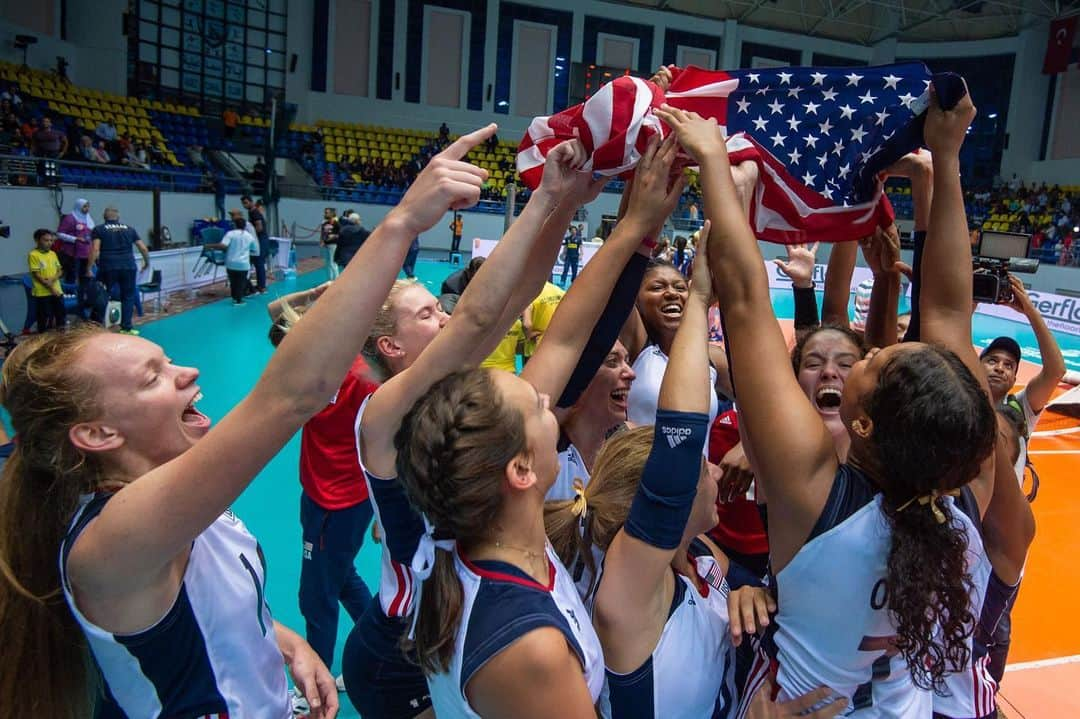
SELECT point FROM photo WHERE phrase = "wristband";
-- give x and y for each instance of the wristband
(649, 242)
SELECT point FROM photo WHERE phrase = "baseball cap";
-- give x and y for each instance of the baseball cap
(1005, 344)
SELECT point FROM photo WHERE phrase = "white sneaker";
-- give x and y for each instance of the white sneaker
(300, 706)
(340, 681)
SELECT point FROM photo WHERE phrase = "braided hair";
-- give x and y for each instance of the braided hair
(453, 447)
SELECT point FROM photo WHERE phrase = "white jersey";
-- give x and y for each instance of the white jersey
(970, 694)
(397, 585)
(1031, 418)
(571, 467)
(213, 653)
(691, 672)
(502, 604)
(855, 657)
(644, 394)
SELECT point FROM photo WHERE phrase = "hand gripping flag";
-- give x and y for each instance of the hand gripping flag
(820, 137)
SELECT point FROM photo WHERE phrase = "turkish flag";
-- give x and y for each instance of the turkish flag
(1059, 46)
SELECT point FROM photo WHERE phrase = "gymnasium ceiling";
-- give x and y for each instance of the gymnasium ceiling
(867, 22)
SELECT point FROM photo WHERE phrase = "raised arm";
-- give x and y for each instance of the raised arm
(1042, 385)
(799, 268)
(834, 304)
(152, 521)
(630, 603)
(479, 316)
(882, 253)
(794, 457)
(652, 201)
(1008, 524)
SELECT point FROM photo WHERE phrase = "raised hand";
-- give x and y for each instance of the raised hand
(655, 193)
(700, 276)
(662, 77)
(1020, 300)
(945, 130)
(564, 179)
(447, 183)
(800, 264)
(882, 250)
(699, 136)
(736, 474)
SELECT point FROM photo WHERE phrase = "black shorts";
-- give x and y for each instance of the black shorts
(382, 682)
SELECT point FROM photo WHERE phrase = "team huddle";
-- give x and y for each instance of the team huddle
(643, 523)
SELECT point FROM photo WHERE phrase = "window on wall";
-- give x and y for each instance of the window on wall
(210, 52)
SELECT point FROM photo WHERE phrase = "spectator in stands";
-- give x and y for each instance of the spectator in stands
(106, 131)
(692, 212)
(351, 237)
(195, 155)
(9, 129)
(258, 221)
(492, 144)
(101, 155)
(11, 94)
(112, 243)
(87, 152)
(456, 229)
(444, 132)
(327, 178)
(48, 141)
(229, 121)
(46, 293)
(135, 156)
(328, 234)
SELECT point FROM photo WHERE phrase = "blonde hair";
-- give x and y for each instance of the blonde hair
(286, 321)
(385, 324)
(39, 492)
(610, 492)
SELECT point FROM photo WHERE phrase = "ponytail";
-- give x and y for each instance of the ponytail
(49, 669)
(929, 393)
(928, 588)
(441, 603)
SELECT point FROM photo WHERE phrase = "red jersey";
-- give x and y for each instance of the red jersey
(329, 467)
(740, 526)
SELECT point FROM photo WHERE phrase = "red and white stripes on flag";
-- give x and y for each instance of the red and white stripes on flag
(616, 124)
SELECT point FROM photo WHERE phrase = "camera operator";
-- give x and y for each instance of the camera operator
(1001, 359)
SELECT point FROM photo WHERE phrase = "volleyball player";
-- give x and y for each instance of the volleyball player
(921, 427)
(116, 499)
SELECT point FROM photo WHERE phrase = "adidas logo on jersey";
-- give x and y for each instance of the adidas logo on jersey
(675, 435)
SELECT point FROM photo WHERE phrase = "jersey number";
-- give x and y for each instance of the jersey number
(880, 669)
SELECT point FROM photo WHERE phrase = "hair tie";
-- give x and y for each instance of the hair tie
(931, 499)
(423, 562)
(581, 505)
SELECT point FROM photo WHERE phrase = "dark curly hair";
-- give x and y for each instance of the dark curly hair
(929, 393)
(452, 450)
(805, 335)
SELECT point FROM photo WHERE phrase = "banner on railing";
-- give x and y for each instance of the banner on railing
(483, 248)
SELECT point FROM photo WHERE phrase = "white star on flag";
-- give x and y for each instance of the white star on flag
(853, 79)
(811, 141)
(744, 105)
(827, 193)
(760, 123)
(819, 77)
(847, 111)
(808, 178)
(794, 123)
(858, 134)
(776, 106)
(785, 78)
(845, 170)
(822, 160)
(830, 94)
(763, 91)
(778, 139)
(794, 156)
(811, 108)
(753, 77)
(906, 99)
(826, 127)
(881, 117)
(838, 148)
(867, 99)
(794, 92)
(891, 80)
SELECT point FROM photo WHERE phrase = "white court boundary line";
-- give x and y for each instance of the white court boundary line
(1074, 659)
(1055, 432)
(1054, 451)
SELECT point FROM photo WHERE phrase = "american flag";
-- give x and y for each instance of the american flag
(819, 135)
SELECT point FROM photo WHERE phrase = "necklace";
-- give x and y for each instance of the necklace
(529, 554)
